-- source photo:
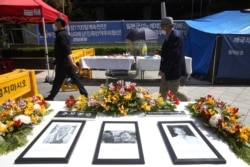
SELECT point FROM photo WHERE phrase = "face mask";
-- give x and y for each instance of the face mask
(54, 27)
(163, 32)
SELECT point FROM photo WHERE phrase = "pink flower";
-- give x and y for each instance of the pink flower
(122, 91)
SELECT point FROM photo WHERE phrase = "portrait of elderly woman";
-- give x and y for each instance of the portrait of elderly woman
(181, 134)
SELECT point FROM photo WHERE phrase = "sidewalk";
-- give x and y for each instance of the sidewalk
(237, 96)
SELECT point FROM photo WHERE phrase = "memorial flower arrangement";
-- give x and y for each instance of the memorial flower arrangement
(224, 119)
(122, 99)
(17, 118)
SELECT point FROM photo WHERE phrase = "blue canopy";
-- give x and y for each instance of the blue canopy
(227, 22)
(202, 35)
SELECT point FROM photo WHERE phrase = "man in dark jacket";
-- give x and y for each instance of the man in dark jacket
(172, 66)
(64, 62)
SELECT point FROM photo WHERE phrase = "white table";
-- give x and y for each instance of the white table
(154, 150)
(152, 63)
(108, 62)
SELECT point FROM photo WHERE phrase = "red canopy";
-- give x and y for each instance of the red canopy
(28, 11)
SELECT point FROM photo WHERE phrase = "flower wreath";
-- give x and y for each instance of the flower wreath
(17, 118)
(224, 120)
(121, 99)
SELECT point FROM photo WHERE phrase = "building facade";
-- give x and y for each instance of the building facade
(143, 9)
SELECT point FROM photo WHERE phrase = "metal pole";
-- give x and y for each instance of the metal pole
(163, 10)
(192, 13)
(201, 8)
(46, 50)
(63, 6)
(215, 58)
(209, 5)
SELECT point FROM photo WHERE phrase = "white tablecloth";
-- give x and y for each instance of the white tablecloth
(108, 62)
(152, 63)
(154, 150)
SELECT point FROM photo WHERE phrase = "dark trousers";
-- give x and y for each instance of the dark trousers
(60, 74)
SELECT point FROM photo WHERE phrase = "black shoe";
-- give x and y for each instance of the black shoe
(48, 99)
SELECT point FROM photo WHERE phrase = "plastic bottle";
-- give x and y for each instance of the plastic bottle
(144, 49)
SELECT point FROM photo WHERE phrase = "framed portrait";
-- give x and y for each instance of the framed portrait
(187, 145)
(119, 143)
(54, 144)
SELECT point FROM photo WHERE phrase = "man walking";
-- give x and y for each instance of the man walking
(172, 66)
(63, 59)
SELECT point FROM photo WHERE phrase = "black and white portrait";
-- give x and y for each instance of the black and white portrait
(181, 134)
(118, 136)
(60, 134)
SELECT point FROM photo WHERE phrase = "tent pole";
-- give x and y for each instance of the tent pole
(214, 60)
(47, 79)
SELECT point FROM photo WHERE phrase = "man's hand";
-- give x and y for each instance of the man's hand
(158, 51)
(161, 73)
(75, 67)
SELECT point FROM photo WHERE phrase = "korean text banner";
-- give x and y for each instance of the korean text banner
(234, 58)
(107, 31)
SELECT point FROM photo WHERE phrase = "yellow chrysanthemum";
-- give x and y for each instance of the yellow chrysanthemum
(82, 98)
(107, 107)
(143, 105)
(210, 101)
(160, 100)
(10, 123)
(147, 96)
(18, 110)
(224, 125)
(42, 110)
(30, 105)
(232, 130)
(128, 96)
(233, 119)
(244, 134)
(28, 111)
(148, 108)
(101, 91)
(78, 106)
(34, 119)
(3, 128)
(122, 110)
(114, 98)
(211, 112)
(107, 99)
(244, 137)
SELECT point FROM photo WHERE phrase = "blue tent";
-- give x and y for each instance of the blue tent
(219, 45)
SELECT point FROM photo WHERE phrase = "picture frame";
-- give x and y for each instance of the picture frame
(123, 136)
(54, 144)
(187, 149)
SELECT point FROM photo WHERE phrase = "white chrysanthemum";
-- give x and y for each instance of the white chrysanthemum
(37, 107)
(23, 118)
(139, 95)
(213, 121)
